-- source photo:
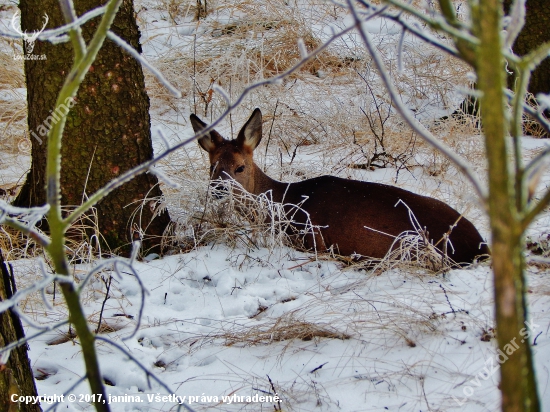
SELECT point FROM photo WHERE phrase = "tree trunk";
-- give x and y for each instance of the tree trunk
(107, 130)
(16, 375)
(535, 32)
(517, 383)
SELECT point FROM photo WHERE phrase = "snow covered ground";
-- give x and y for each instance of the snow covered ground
(219, 322)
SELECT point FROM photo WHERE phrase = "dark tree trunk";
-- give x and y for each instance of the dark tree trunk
(107, 130)
(16, 375)
(535, 32)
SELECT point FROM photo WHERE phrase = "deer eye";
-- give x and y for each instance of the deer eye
(239, 169)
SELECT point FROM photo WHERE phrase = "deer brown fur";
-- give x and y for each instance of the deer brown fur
(351, 216)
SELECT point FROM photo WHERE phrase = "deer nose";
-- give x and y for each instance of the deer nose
(219, 188)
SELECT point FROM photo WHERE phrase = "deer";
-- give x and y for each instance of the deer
(352, 217)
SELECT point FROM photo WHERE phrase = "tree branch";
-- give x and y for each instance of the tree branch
(532, 212)
(448, 9)
(517, 16)
(536, 56)
(75, 33)
(422, 34)
(38, 237)
(436, 24)
(141, 366)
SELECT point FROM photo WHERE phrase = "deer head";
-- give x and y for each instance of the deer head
(232, 159)
(29, 39)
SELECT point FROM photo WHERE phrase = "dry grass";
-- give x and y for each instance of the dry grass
(16, 246)
(233, 217)
(14, 141)
(13, 105)
(285, 328)
(530, 126)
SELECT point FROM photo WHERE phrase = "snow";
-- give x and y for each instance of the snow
(213, 319)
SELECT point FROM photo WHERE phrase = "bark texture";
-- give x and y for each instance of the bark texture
(535, 32)
(107, 130)
(16, 375)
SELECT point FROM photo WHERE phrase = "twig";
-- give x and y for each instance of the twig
(142, 367)
(276, 394)
(269, 134)
(447, 297)
(108, 287)
(318, 367)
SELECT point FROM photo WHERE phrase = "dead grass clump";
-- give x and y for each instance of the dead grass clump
(462, 132)
(62, 337)
(108, 328)
(83, 237)
(82, 244)
(238, 218)
(15, 245)
(240, 43)
(285, 328)
(243, 52)
(415, 250)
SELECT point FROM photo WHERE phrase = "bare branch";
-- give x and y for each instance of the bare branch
(531, 60)
(23, 293)
(534, 209)
(79, 45)
(132, 52)
(423, 34)
(516, 22)
(58, 35)
(437, 23)
(141, 366)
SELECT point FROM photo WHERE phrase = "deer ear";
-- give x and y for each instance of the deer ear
(209, 141)
(251, 134)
